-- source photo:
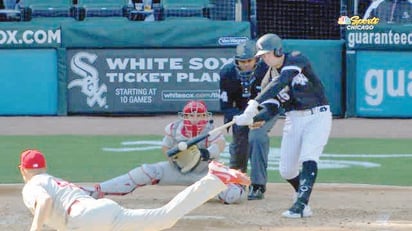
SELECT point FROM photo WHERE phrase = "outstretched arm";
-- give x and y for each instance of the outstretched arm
(41, 210)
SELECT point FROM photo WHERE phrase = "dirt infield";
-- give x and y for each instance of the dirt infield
(340, 207)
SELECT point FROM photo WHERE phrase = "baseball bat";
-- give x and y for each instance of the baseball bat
(265, 89)
(173, 151)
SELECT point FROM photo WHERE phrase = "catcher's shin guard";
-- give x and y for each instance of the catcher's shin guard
(127, 183)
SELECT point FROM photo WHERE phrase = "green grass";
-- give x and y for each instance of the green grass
(81, 158)
(393, 171)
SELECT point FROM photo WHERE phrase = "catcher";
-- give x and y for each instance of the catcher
(186, 167)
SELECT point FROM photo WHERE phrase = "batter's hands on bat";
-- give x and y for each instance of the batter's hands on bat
(246, 118)
(243, 120)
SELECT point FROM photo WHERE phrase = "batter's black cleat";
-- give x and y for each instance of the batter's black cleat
(256, 192)
(298, 210)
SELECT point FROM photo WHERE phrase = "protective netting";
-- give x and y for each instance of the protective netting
(299, 19)
(291, 19)
(159, 9)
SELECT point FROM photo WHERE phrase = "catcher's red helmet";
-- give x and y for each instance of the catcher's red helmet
(195, 117)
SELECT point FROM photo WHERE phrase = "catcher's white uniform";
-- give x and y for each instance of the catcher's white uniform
(73, 209)
(167, 172)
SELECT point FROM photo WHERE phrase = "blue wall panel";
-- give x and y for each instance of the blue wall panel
(28, 82)
(383, 84)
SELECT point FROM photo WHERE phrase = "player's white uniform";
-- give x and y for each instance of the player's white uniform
(174, 135)
(305, 133)
(165, 172)
(307, 125)
(73, 209)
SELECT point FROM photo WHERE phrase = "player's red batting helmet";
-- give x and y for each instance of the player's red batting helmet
(195, 117)
(268, 43)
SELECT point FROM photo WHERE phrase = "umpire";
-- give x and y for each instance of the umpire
(241, 81)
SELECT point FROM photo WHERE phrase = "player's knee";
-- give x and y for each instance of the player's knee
(258, 137)
(233, 194)
(288, 173)
(146, 174)
(153, 172)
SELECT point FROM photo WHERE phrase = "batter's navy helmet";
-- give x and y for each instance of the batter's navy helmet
(268, 43)
(246, 50)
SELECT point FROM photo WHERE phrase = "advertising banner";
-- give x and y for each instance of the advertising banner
(143, 80)
(380, 37)
(384, 84)
(33, 35)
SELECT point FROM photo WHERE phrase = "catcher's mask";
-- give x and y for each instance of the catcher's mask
(195, 117)
(246, 61)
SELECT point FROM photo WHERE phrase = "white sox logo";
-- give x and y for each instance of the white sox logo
(300, 79)
(89, 81)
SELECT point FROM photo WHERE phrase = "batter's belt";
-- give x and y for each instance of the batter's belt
(308, 112)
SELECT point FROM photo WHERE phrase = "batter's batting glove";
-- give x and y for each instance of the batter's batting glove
(246, 118)
(243, 120)
(204, 154)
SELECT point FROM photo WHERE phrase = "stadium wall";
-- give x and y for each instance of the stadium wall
(114, 66)
(379, 72)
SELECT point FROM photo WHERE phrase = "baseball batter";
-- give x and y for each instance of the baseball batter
(240, 81)
(308, 118)
(64, 206)
(185, 168)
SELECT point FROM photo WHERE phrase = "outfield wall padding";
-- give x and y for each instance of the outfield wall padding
(106, 66)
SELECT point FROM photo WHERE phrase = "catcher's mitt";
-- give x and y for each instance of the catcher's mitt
(188, 159)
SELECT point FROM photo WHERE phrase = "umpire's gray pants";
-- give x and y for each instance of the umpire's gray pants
(259, 145)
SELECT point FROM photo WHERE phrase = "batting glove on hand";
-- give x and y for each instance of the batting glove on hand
(243, 120)
(246, 118)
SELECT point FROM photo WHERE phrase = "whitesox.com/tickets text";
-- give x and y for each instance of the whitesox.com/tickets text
(30, 36)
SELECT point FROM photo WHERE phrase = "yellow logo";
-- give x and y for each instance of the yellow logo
(357, 23)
